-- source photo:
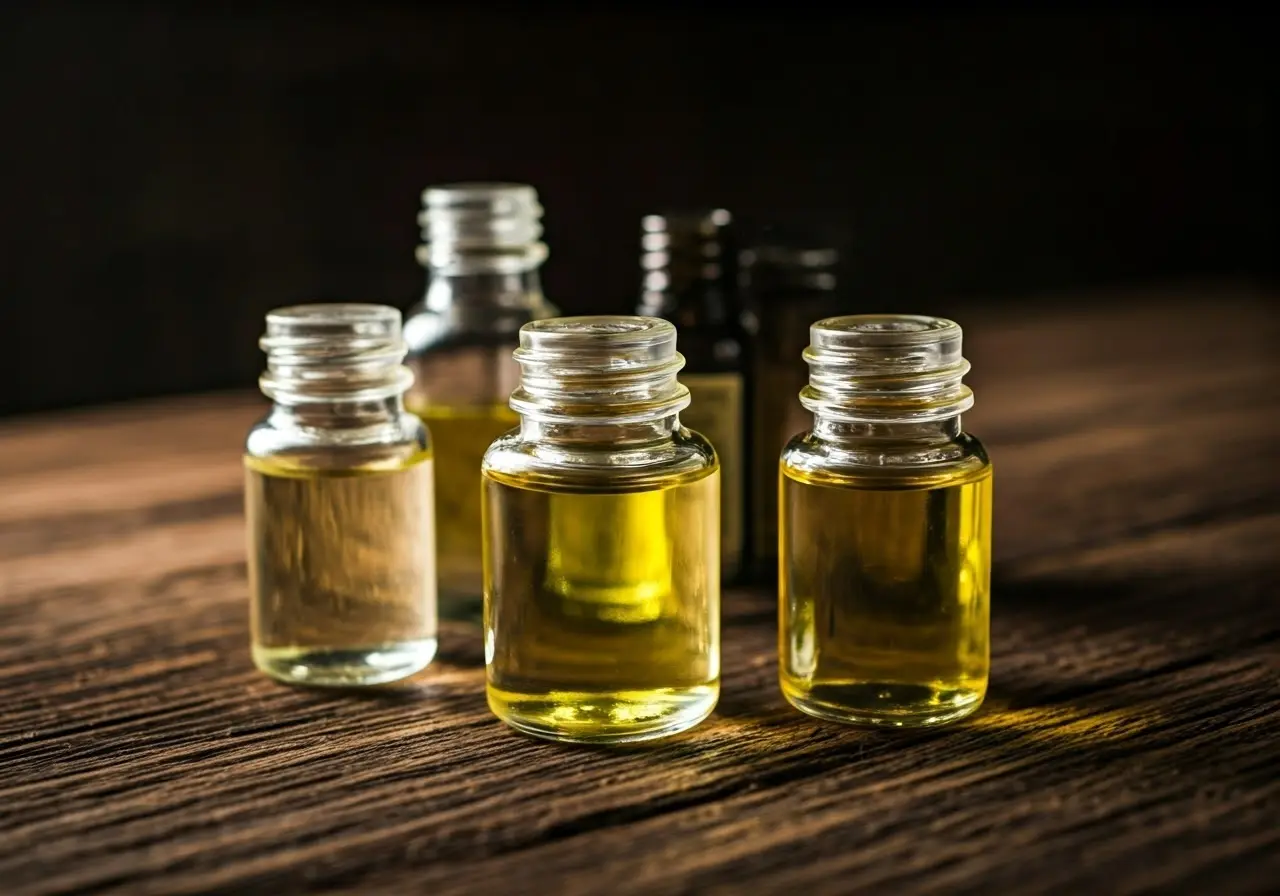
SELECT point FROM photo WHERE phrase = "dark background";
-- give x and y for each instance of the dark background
(169, 173)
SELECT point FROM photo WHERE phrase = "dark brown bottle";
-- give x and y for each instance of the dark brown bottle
(690, 278)
(787, 282)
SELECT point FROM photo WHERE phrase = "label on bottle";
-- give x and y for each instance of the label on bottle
(778, 415)
(716, 411)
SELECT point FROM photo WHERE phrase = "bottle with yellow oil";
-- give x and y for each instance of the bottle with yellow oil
(482, 249)
(602, 540)
(885, 529)
(338, 501)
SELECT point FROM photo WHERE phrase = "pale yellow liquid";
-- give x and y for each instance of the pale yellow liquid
(341, 571)
(602, 608)
(884, 596)
(459, 437)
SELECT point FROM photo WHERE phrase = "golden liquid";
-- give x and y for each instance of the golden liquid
(884, 596)
(341, 571)
(459, 437)
(602, 610)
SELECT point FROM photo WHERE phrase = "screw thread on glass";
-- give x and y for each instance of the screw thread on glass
(599, 369)
(339, 352)
(476, 228)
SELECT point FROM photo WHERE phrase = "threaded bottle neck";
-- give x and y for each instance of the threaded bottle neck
(334, 353)
(689, 266)
(481, 228)
(886, 369)
(599, 370)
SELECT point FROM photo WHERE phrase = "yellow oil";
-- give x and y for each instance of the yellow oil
(884, 595)
(341, 571)
(459, 437)
(602, 610)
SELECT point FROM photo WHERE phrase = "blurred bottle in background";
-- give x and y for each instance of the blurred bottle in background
(482, 250)
(689, 259)
(788, 281)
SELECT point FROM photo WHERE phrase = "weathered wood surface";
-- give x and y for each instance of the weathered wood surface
(1131, 742)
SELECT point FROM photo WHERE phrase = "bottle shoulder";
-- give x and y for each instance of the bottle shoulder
(399, 442)
(809, 458)
(427, 330)
(685, 456)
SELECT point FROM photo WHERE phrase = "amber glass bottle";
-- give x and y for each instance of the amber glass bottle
(689, 264)
(788, 281)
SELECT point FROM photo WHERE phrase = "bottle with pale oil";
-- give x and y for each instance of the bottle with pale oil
(338, 502)
(602, 540)
(885, 530)
(482, 249)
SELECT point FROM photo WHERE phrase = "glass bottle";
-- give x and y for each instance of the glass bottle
(338, 501)
(788, 281)
(482, 250)
(885, 570)
(602, 540)
(690, 279)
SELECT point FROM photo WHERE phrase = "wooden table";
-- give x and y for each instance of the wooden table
(1131, 740)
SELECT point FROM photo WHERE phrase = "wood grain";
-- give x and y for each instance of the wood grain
(1130, 742)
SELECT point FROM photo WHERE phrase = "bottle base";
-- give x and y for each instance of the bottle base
(886, 704)
(608, 717)
(345, 667)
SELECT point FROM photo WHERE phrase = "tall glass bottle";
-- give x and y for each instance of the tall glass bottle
(338, 502)
(787, 283)
(482, 249)
(690, 278)
(885, 575)
(602, 540)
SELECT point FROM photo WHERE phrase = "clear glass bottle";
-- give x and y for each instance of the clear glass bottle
(885, 572)
(690, 279)
(788, 281)
(341, 542)
(482, 250)
(602, 531)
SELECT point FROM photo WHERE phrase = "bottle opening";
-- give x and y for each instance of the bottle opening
(898, 329)
(300, 321)
(498, 193)
(593, 326)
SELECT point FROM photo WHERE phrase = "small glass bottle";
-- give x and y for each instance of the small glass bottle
(690, 279)
(788, 282)
(338, 502)
(602, 540)
(482, 250)
(885, 546)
